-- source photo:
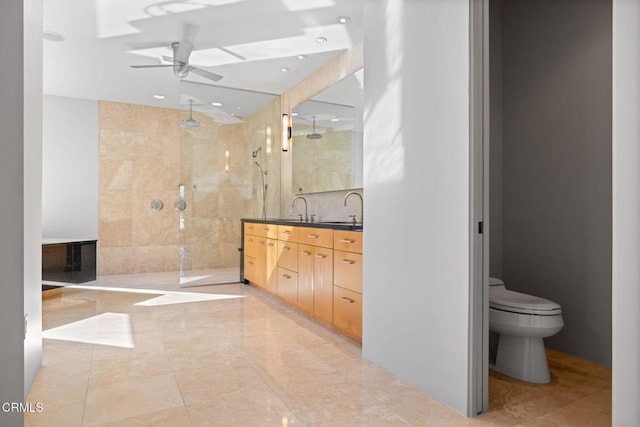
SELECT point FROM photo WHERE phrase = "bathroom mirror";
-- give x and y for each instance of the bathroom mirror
(327, 139)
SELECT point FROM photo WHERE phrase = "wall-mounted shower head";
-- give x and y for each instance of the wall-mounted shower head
(255, 153)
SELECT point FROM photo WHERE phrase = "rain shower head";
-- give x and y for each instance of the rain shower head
(255, 153)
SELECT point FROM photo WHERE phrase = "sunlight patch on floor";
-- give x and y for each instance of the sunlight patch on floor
(113, 329)
(183, 297)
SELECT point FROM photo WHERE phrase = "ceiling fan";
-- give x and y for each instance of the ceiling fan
(180, 63)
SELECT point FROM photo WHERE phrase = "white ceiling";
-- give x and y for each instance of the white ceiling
(104, 37)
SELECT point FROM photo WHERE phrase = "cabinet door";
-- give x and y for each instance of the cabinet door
(347, 313)
(261, 262)
(271, 265)
(323, 284)
(288, 285)
(305, 278)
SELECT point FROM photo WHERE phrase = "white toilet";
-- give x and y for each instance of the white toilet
(519, 322)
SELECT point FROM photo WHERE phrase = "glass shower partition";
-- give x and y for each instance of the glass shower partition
(219, 180)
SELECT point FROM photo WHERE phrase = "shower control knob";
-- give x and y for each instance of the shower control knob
(180, 205)
(157, 205)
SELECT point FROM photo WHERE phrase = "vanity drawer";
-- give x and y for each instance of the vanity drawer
(347, 270)
(262, 230)
(350, 241)
(288, 285)
(250, 245)
(316, 236)
(288, 255)
(288, 233)
(347, 312)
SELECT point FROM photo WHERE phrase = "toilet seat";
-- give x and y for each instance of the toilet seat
(516, 302)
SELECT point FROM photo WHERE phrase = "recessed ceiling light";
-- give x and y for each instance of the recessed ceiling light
(217, 104)
(302, 56)
(343, 19)
(159, 96)
(52, 36)
(294, 114)
(284, 69)
(321, 40)
(335, 120)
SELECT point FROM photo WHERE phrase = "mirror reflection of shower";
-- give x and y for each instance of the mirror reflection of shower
(263, 173)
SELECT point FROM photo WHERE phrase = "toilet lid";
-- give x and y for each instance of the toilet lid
(503, 299)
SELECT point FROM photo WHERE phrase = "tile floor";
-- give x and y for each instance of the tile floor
(235, 356)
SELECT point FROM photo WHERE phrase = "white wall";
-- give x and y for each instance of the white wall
(20, 217)
(626, 212)
(416, 186)
(70, 168)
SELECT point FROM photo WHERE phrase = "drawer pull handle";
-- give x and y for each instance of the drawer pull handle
(286, 232)
(286, 248)
(347, 241)
(347, 300)
(261, 243)
(320, 256)
(312, 236)
(250, 262)
(305, 253)
(286, 276)
(347, 261)
(270, 245)
(250, 240)
(266, 229)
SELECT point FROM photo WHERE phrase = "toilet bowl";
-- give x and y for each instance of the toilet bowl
(520, 322)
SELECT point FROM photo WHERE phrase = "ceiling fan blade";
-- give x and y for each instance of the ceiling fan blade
(206, 74)
(151, 66)
(232, 53)
(167, 58)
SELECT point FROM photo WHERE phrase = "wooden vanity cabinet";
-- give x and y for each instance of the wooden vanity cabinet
(317, 270)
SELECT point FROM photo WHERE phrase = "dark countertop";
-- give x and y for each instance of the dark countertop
(336, 225)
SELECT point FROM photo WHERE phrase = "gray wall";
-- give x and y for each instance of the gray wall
(556, 136)
(495, 150)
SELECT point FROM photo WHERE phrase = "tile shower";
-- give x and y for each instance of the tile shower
(145, 155)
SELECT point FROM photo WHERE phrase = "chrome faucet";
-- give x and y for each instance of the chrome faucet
(351, 193)
(306, 215)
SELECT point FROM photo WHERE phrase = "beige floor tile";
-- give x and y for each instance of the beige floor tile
(219, 378)
(57, 414)
(116, 401)
(254, 406)
(143, 365)
(173, 417)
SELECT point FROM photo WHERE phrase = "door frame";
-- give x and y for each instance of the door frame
(478, 369)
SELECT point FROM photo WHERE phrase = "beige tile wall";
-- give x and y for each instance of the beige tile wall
(146, 155)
